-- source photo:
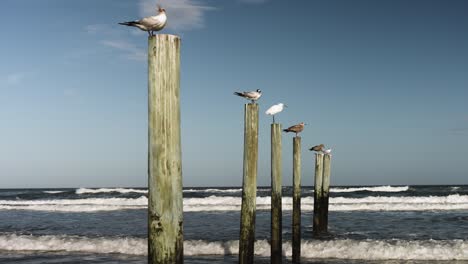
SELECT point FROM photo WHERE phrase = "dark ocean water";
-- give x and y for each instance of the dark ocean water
(377, 224)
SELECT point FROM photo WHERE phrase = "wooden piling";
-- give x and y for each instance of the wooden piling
(249, 186)
(325, 192)
(165, 215)
(296, 221)
(276, 184)
(318, 193)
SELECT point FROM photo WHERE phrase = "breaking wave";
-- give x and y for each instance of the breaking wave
(317, 249)
(218, 203)
(372, 189)
(109, 190)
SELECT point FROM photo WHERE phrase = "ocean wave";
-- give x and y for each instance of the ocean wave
(372, 189)
(220, 203)
(108, 190)
(213, 190)
(53, 192)
(75, 205)
(317, 249)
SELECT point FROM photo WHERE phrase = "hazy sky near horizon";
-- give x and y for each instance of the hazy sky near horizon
(384, 83)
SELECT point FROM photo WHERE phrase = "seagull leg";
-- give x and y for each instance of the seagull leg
(273, 119)
(149, 33)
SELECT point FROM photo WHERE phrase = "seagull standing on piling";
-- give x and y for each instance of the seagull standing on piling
(253, 95)
(273, 110)
(296, 128)
(318, 148)
(151, 23)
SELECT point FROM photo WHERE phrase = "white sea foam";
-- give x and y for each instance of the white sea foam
(219, 203)
(213, 190)
(75, 205)
(340, 249)
(372, 189)
(109, 190)
(53, 192)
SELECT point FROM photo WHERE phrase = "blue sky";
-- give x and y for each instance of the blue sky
(384, 83)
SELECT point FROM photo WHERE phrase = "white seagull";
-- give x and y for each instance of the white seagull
(253, 95)
(274, 109)
(151, 23)
(327, 151)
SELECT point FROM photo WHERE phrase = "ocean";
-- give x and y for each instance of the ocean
(367, 224)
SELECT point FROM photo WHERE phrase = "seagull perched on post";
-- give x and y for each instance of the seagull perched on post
(318, 148)
(273, 110)
(327, 151)
(151, 23)
(296, 128)
(253, 95)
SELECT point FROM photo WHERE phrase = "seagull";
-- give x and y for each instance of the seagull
(327, 151)
(253, 95)
(296, 128)
(318, 148)
(151, 23)
(273, 110)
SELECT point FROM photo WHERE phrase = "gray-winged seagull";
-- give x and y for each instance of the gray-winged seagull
(253, 95)
(151, 23)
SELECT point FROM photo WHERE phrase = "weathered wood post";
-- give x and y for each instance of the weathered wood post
(276, 196)
(249, 187)
(165, 215)
(296, 221)
(318, 192)
(325, 192)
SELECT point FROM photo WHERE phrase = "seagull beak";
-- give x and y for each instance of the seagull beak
(285, 106)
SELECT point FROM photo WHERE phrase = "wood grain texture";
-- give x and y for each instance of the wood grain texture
(165, 210)
(249, 185)
(318, 182)
(276, 195)
(296, 221)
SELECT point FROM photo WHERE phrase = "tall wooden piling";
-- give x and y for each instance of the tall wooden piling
(318, 182)
(296, 221)
(276, 184)
(325, 192)
(249, 186)
(165, 215)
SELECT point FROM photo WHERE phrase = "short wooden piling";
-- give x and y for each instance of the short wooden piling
(318, 182)
(249, 186)
(276, 196)
(165, 215)
(325, 192)
(296, 221)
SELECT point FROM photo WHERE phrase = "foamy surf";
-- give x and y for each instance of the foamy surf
(238, 190)
(372, 189)
(317, 249)
(221, 203)
(108, 190)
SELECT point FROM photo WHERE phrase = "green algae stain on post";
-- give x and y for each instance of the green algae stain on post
(276, 196)
(296, 221)
(318, 192)
(165, 210)
(249, 185)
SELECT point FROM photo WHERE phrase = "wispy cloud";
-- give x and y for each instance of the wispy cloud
(110, 37)
(132, 52)
(14, 78)
(183, 15)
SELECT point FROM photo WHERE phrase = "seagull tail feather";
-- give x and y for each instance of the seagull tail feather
(129, 23)
(239, 94)
(286, 130)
